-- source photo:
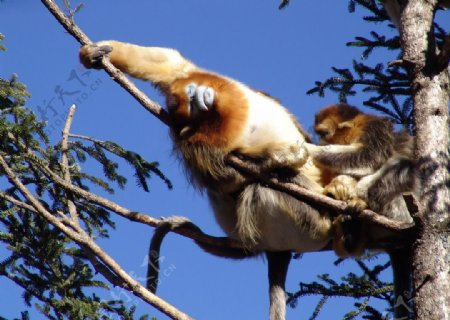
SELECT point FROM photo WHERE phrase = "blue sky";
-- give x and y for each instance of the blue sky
(280, 52)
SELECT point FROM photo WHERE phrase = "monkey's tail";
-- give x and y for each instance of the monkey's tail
(217, 246)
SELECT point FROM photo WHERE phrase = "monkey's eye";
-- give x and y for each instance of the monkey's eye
(172, 102)
(323, 133)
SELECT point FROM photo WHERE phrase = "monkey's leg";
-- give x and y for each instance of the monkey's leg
(278, 263)
(383, 191)
(349, 236)
(401, 264)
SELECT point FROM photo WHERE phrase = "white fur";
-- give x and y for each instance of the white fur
(268, 121)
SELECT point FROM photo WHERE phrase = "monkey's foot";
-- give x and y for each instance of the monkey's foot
(91, 55)
(348, 236)
(356, 205)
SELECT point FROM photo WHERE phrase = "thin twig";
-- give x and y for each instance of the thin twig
(65, 164)
(104, 270)
(98, 266)
(83, 239)
(87, 138)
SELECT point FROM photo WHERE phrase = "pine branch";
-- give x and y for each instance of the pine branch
(141, 166)
(78, 235)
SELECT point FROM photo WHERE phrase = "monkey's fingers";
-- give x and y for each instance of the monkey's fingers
(356, 205)
(342, 188)
(91, 55)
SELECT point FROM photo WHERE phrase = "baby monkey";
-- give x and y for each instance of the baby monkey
(367, 163)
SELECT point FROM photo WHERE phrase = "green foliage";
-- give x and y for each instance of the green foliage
(387, 82)
(366, 286)
(55, 274)
(142, 168)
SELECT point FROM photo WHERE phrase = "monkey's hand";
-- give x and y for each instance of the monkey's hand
(342, 188)
(91, 55)
(314, 150)
(273, 156)
(348, 234)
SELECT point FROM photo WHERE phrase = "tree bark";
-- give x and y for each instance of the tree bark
(430, 83)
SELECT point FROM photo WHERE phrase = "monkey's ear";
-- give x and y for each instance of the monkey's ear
(346, 124)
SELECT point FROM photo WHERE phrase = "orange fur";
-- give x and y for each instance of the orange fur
(224, 123)
(329, 123)
(326, 176)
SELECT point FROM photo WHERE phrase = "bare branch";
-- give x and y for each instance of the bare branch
(104, 270)
(65, 163)
(79, 136)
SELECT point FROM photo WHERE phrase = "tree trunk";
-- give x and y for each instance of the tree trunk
(430, 83)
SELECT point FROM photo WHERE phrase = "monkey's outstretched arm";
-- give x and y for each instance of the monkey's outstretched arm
(353, 159)
(161, 66)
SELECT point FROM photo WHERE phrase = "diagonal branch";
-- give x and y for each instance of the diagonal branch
(315, 199)
(151, 106)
